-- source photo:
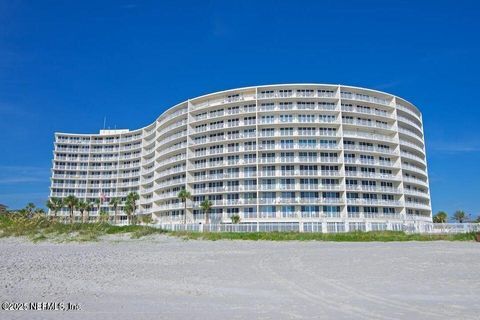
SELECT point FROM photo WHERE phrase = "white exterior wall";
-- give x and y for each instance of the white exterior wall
(237, 147)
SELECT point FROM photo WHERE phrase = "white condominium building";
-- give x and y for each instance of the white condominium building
(326, 157)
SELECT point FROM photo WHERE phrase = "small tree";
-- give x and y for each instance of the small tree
(84, 207)
(184, 195)
(459, 216)
(146, 219)
(131, 206)
(128, 210)
(103, 216)
(235, 219)
(206, 205)
(28, 211)
(440, 217)
(71, 203)
(54, 204)
(114, 203)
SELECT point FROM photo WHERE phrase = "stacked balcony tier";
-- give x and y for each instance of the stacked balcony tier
(281, 153)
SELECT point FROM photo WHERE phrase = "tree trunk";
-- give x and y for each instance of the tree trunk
(185, 213)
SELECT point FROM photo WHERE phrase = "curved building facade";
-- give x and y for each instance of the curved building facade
(325, 157)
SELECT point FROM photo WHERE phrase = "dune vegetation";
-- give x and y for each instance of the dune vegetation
(39, 228)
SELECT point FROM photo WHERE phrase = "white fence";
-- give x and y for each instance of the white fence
(445, 228)
(326, 227)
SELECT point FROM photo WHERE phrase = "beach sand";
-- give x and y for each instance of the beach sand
(163, 277)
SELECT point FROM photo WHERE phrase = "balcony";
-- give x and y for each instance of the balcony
(375, 202)
(368, 111)
(364, 97)
(359, 134)
(409, 111)
(369, 149)
(371, 124)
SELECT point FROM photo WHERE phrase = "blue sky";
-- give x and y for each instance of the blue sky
(64, 65)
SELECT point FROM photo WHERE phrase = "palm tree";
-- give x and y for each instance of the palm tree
(459, 216)
(184, 195)
(97, 204)
(206, 205)
(115, 202)
(84, 206)
(128, 210)
(440, 217)
(131, 203)
(28, 210)
(54, 204)
(71, 203)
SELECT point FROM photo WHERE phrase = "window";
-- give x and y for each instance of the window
(267, 119)
(286, 131)
(233, 110)
(249, 212)
(306, 118)
(310, 211)
(250, 158)
(250, 184)
(306, 105)
(335, 227)
(270, 106)
(267, 212)
(286, 106)
(306, 131)
(285, 93)
(268, 144)
(331, 195)
(352, 195)
(249, 120)
(288, 170)
(286, 118)
(286, 144)
(250, 145)
(307, 143)
(268, 132)
(288, 211)
(389, 210)
(287, 184)
(331, 211)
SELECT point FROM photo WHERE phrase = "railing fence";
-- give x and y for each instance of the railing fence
(326, 227)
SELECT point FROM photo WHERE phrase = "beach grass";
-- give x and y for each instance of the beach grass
(41, 228)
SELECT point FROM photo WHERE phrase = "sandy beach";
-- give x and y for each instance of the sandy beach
(164, 277)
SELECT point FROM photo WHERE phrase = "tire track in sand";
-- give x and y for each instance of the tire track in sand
(322, 300)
